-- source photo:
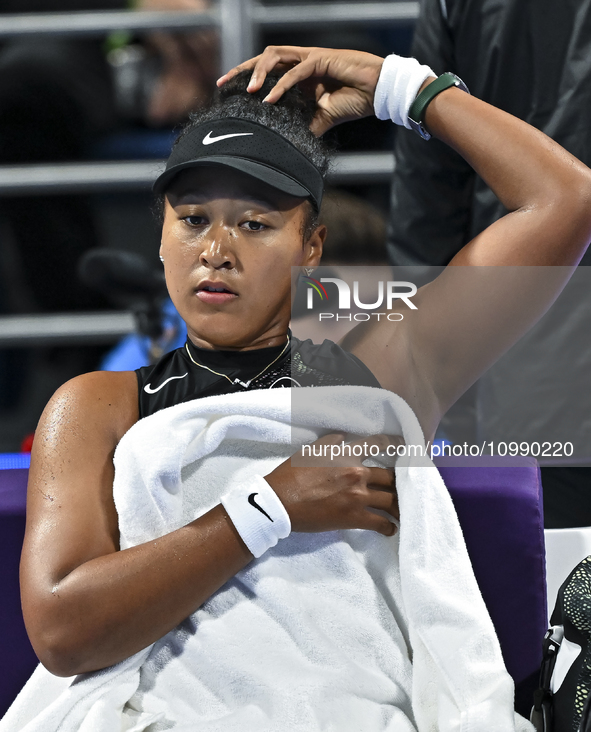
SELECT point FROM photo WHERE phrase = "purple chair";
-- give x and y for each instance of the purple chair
(500, 510)
(501, 513)
(17, 659)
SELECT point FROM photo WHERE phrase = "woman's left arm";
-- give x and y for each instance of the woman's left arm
(469, 315)
(500, 283)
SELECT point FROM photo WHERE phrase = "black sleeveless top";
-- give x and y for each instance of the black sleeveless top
(175, 378)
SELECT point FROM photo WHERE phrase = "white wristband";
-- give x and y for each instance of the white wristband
(397, 88)
(258, 515)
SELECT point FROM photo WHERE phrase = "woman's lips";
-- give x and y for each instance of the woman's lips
(215, 298)
(214, 294)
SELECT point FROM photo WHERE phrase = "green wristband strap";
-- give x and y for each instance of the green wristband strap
(417, 109)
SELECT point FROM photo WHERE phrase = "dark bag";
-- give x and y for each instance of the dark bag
(562, 703)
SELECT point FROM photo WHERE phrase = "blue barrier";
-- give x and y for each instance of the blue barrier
(14, 460)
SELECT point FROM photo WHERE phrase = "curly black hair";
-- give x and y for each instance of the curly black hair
(290, 117)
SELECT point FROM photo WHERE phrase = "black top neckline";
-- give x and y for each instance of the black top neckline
(230, 362)
(175, 379)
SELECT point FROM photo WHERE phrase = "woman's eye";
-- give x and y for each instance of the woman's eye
(195, 220)
(254, 225)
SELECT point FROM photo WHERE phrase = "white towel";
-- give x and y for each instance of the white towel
(345, 630)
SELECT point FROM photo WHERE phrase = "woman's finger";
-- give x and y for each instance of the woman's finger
(332, 108)
(247, 65)
(275, 57)
(261, 65)
(374, 522)
(382, 477)
(306, 69)
(385, 501)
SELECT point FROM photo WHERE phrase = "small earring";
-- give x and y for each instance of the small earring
(308, 271)
(162, 259)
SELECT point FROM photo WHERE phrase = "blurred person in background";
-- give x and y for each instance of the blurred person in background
(532, 60)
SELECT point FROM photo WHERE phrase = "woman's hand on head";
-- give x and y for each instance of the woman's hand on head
(340, 493)
(342, 82)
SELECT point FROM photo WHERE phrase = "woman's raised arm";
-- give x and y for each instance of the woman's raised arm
(531, 175)
(469, 316)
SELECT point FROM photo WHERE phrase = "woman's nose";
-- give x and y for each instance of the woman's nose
(218, 250)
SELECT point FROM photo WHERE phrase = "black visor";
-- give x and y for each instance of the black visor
(251, 148)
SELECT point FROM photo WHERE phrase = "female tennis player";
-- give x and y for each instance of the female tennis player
(241, 193)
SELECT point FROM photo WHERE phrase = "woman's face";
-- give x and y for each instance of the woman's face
(229, 243)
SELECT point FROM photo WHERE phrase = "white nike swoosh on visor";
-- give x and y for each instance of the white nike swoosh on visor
(209, 140)
(148, 389)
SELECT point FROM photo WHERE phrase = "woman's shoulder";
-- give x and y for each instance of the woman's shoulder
(105, 400)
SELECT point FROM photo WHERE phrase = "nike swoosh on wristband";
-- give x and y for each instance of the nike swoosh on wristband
(209, 140)
(256, 505)
(148, 389)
